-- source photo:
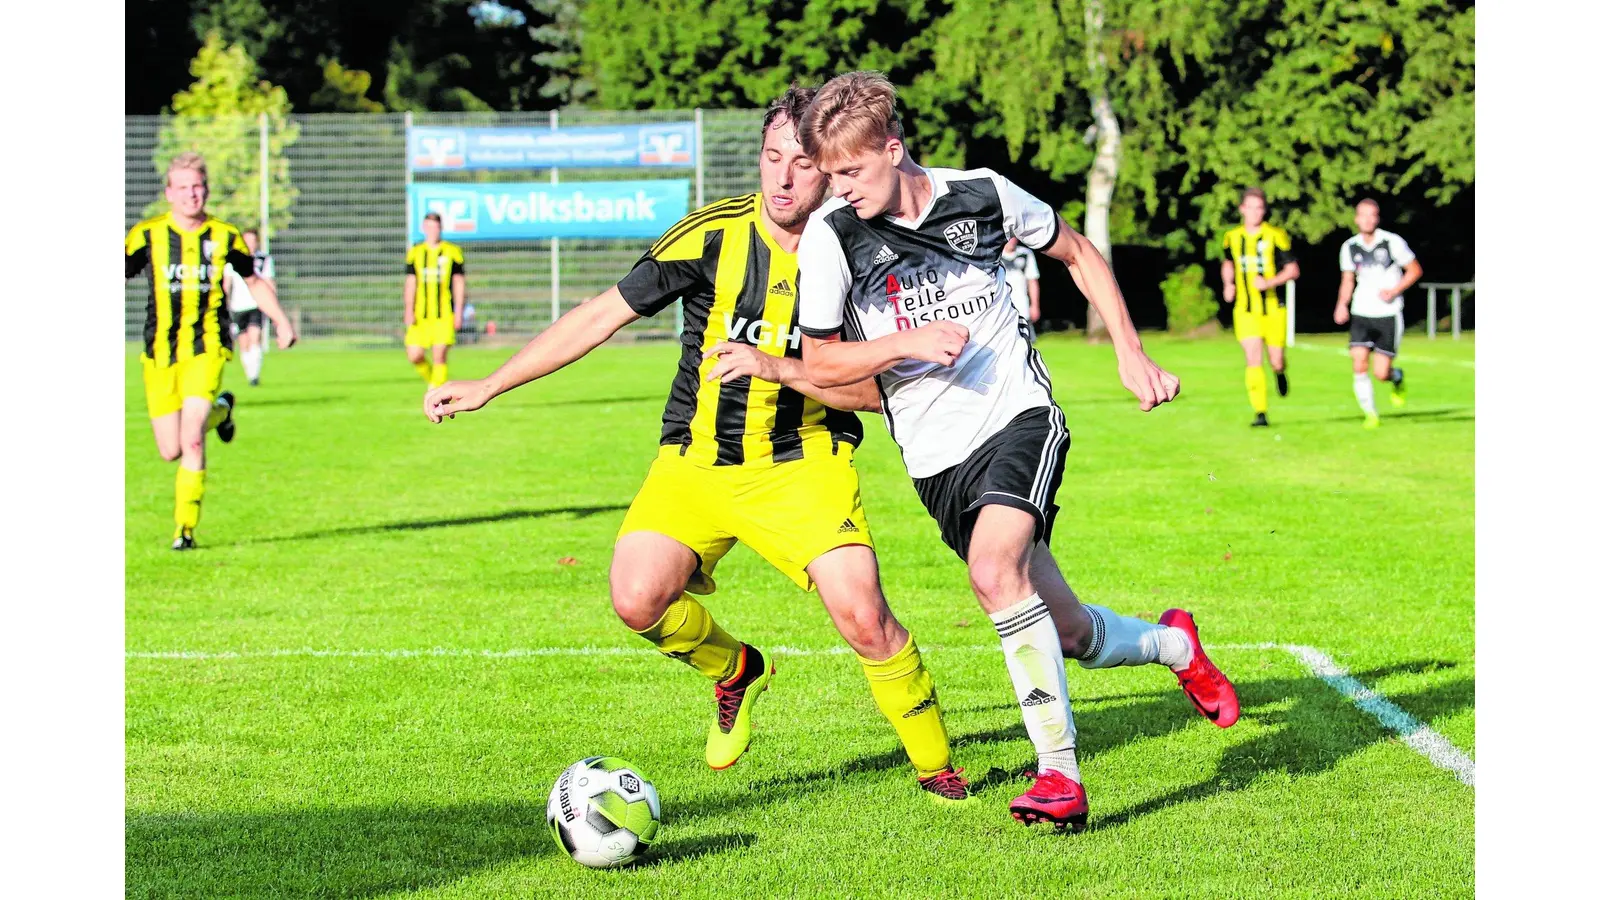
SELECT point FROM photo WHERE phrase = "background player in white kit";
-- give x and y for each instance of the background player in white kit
(247, 320)
(1022, 280)
(1377, 266)
(904, 264)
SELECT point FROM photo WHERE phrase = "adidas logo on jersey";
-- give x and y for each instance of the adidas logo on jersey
(1037, 697)
(920, 708)
(848, 527)
(783, 288)
(884, 255)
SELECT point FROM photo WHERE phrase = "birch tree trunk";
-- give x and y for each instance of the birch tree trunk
(1108, 137)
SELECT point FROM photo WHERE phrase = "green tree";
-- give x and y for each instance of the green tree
(219, 116)
(345, 90)
(567, 85)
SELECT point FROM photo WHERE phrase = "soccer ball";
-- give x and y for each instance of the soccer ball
(603, 812)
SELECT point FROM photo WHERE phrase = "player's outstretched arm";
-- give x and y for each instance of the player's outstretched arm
(1148, 381)
(831, 362)
(1347, 289)
(266, 297)
(582, 329)
(735, 360)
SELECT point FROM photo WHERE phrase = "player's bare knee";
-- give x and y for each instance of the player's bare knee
(170, 454)
(638, 601)
(997, 583)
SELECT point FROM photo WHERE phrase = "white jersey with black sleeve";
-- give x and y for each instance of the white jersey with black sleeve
(868, 279)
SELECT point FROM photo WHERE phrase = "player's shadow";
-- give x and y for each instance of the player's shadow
(353, 852)
(510, 515)
(248, 402)
(1311, 728)
(595, 401)
(672, 850)
(1420, 416)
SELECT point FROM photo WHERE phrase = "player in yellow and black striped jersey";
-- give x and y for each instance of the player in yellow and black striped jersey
(186, 335)
(750, 451)
(1255, 263)
(435, 300)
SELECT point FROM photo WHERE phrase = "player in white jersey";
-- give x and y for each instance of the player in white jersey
(904, 265)
(1376, 267)
(1022, 280)
(247, 321)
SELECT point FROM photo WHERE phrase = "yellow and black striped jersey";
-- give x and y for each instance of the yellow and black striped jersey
(1263, 253)
(738, 285)
(184, 315)
(434, 267)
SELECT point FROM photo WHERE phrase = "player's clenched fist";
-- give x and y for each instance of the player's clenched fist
(452, 397)
(1148, 381)
(938, 343)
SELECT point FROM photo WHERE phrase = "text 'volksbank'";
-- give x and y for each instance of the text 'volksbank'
(541, 207)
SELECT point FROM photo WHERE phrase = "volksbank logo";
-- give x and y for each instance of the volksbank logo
(457, 214)
(440, 149)
(664, 147)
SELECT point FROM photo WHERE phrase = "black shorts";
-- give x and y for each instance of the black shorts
(1020, 466)
(243, 320)
(1380, 335)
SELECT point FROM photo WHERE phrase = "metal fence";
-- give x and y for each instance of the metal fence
(340, 254)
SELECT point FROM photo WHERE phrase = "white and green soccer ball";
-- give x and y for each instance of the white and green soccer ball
(603, 812)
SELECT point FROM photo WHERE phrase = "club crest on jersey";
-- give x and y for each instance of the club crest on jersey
(962, 235)
(1382, 256)
(207, 247)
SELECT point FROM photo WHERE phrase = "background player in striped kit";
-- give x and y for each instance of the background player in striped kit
(187, 253)
(435, 301)
(1255, 263)
(1376, 267)
(750, 451)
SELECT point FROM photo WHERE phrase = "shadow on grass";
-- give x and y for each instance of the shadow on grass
(1419, 416)
(692, 848)
(251, 401)
(510, 515)
(1312, 727)
(597, 401)
(348, 852)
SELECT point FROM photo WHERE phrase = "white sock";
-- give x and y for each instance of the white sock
(1127, 641)
(252, 362)
(1364, 394)
(1039, 678)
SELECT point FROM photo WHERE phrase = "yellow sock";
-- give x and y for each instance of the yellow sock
(425, 369)
(687, 632)
(1255, 384)
(191, 487)
(905, 695)
(217, 415)
(441, 374)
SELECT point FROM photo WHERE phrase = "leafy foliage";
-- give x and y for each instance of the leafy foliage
(1190, 302)
(219, 116)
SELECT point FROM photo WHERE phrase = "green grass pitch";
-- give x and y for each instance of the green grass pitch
(341, 520)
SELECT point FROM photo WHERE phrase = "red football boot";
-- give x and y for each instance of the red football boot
(1054, 798)
(1207, 688)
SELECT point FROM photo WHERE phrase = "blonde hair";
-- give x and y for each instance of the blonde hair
(187, 160)
(852, 113)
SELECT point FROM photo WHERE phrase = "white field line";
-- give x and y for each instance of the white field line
(1433, 746)
(1404, 356)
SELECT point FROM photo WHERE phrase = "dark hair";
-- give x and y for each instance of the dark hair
(1255, 192)
(435, 217)
(792, 106)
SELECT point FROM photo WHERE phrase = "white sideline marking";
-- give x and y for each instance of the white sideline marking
(1433, 746)
(1409, 357)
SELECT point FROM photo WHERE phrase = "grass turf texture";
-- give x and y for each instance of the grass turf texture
(340, 519)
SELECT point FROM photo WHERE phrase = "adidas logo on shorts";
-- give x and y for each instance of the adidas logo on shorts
(920, 708)
(1037, 697)
(885, 255)
(848, 527)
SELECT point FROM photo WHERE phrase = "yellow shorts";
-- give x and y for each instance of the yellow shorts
(1272, 326)
(431, 333)
(166, 387)
(790, 513)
